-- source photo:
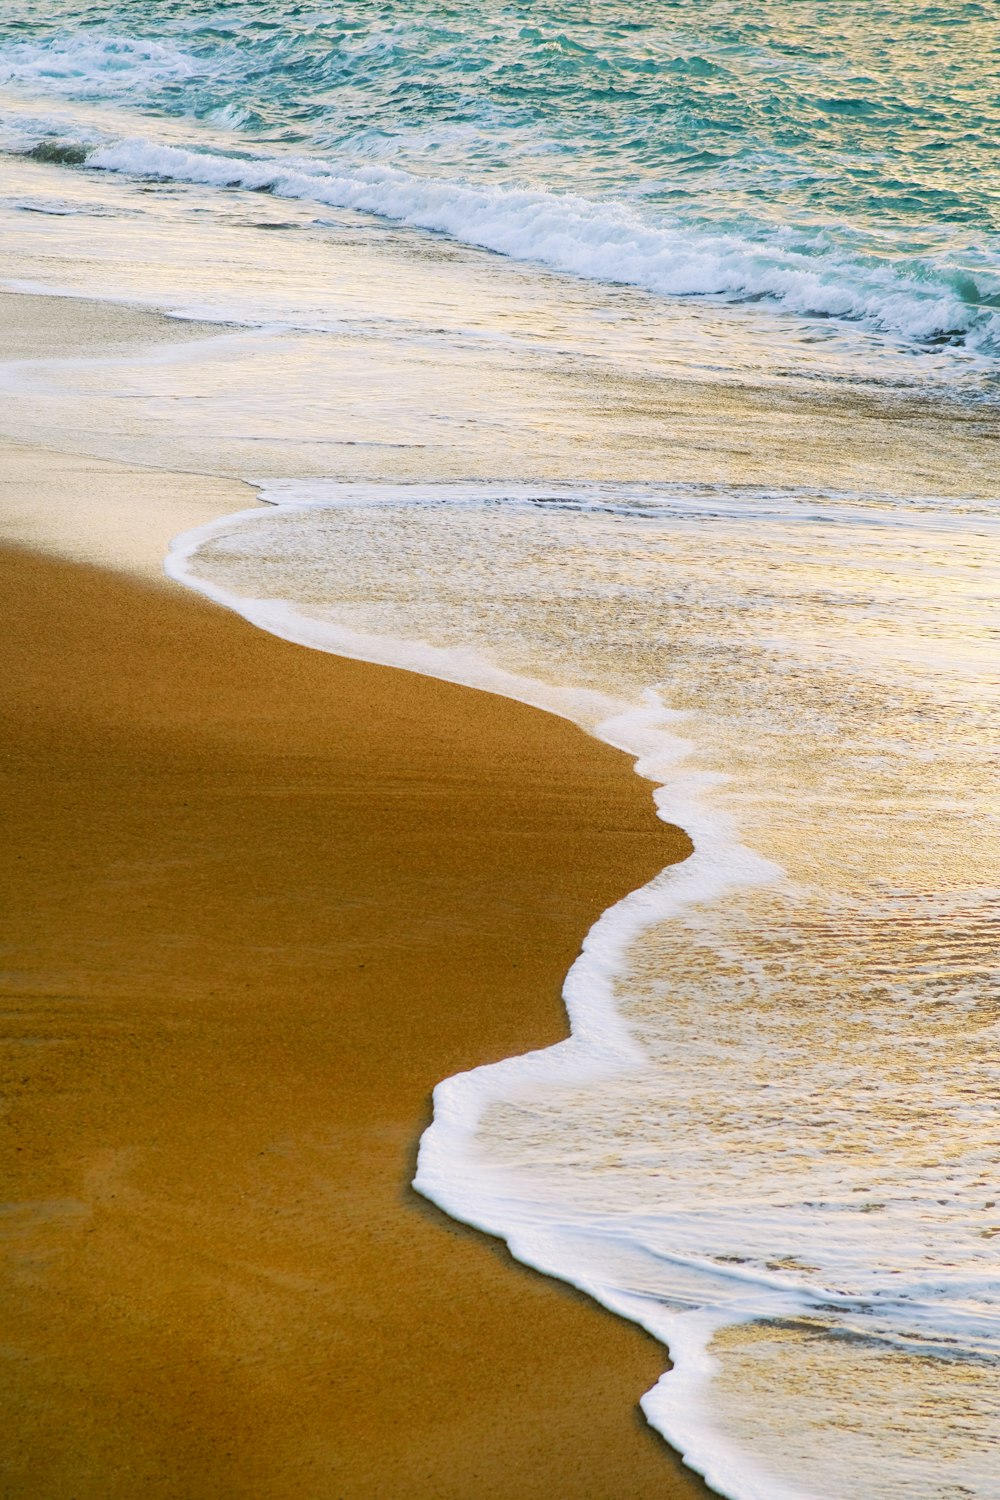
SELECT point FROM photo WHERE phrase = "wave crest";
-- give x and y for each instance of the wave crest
(606, 241)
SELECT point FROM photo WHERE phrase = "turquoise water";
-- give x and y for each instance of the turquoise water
(836, 159)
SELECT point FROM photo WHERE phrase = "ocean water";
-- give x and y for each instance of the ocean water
(638, 362)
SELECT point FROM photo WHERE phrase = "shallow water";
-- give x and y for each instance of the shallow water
(836, 158)
(799, 1123)
(752, 545)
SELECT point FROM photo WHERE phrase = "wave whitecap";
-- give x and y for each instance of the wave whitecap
(102, 66)
(605, 241)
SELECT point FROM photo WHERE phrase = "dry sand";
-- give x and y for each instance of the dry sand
(257, 901)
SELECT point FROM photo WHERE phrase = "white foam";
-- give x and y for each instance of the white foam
(107, 66)
(448, 1171)
(601, 240)
(636, 1264)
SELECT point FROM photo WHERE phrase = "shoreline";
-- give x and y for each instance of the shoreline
(282, 923)
(207, 1293)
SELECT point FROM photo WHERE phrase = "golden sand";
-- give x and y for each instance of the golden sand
(257, 901)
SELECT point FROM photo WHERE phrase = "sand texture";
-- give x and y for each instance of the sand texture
(256, 902)
(96, 510)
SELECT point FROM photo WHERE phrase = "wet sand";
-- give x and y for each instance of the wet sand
(257, 902)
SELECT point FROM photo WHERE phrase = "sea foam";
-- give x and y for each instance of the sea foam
(721, 1227)
(108, 66)
(449, 1171)
(602, 240)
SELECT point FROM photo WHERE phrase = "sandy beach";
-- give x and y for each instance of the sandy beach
(413, 420)
(258, 901)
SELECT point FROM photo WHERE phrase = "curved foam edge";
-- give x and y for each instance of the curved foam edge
(599, 1044)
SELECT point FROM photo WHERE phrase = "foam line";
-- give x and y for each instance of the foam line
(635, 1265)
(601, 240)
(599, 1044)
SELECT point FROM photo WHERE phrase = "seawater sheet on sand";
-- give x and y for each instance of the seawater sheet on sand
(836, 159)
(771, 1136)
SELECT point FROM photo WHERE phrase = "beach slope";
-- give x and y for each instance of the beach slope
(257, 901)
